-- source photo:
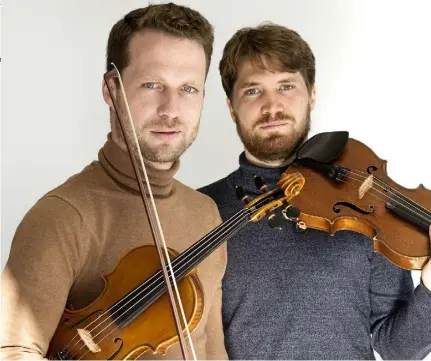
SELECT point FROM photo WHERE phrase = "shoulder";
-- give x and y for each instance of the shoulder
(58, 204)
(58, 214)
(198, 201)
(194, 195)
(219, 189)
(223, 193)
(86, 191)
(78, 183)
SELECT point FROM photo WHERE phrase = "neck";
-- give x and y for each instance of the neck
(116, 161)
(277, 163)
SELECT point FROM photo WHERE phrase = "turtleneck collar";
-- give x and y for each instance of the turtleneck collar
(118, 165)
(247, 172)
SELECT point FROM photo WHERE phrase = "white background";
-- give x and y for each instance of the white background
(373, 79)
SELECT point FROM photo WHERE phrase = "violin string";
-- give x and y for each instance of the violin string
(146, 285)
(230, 234)
(247, 212)
(394, 191)
(242, 222)
(194, 247)
(426, 223)
(386, 196)
(399, 196)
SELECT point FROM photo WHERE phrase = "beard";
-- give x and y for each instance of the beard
(166, 152)
(276, 146)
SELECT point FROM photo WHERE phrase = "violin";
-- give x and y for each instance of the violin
(347, 188)
(132, 315)
(137, 311)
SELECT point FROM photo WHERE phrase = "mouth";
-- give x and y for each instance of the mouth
(166, 135)
(273, 125)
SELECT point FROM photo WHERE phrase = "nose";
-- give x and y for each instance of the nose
(272, 104)
(169, 106)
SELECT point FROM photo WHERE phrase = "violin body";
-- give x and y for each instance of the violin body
(152, 330)
(364, 199)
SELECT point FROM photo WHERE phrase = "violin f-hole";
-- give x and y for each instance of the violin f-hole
(112, 357)
(335, 208)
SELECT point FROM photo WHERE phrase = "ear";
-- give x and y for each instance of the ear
(106, 95)
(231, 111)
(313, 97)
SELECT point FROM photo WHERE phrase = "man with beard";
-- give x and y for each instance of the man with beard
(290, 295)
(79, 231)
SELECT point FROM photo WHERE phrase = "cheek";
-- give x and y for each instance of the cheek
(300, 107)
(146, 99)
(143, 108)
(190, 110)
(247, 113)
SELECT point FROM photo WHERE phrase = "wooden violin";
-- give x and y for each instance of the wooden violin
(347, 188)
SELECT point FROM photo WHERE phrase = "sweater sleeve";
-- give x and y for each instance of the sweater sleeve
(400, 319)
(215, 347)
(41, 268)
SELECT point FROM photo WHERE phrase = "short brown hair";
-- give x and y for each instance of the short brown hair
(282, 48)
(172, 19)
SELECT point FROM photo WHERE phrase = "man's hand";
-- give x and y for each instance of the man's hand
(426, 271)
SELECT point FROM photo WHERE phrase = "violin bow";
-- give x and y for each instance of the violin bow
(117, 93)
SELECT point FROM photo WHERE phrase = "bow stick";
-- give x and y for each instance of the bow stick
(116, 90)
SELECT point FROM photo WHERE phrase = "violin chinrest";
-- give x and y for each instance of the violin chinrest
(323, 147)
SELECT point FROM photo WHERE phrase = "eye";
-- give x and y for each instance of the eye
(150, 85)
(287, 87)
(189, 89)
(252, 91)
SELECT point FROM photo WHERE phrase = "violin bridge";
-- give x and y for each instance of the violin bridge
(88, 340)
(365, 186)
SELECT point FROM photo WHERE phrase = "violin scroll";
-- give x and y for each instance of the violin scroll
(288, 186)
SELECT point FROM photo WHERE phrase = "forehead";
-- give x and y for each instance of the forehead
(155, 53)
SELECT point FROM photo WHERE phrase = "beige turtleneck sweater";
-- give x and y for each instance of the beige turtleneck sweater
(79, 231)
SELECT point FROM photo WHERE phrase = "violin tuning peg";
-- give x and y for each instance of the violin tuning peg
(291, 212)
(275, 221)
(258, 181)
(240, 194)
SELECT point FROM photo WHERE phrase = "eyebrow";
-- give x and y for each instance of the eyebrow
(249, 84)
(287, 80)
(157, 78)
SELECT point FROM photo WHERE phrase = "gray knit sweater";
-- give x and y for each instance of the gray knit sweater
(290, 295)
